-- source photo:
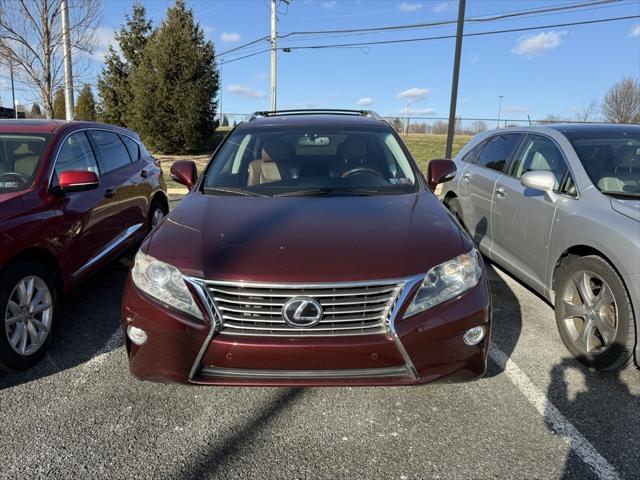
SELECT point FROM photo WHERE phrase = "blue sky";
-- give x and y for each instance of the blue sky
(548, 71)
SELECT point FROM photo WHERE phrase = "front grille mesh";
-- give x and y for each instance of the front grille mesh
(348, 310)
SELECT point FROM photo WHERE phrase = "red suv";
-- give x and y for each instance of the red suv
(311, 251)
(72, 197)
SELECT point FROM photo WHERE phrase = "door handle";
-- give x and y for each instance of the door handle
(501, 192)
(144, 174)
(109, 193)
(466, 177)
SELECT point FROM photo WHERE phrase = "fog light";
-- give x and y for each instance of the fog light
(136, 335)
(474, 335)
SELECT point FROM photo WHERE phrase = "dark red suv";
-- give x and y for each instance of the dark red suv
(73, 196)
(311, 251)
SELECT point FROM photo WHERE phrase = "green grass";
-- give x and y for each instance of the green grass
(423, 148)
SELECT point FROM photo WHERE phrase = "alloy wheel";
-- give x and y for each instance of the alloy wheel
(590, 312)
(28, 315)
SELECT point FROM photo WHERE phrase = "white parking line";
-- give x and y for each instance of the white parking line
(560, 424)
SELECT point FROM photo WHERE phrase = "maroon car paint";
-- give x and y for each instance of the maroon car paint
(70, 229)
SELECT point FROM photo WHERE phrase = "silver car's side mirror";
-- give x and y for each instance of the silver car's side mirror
(539, 180)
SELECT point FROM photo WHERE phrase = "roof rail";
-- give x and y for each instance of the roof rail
(314, 111)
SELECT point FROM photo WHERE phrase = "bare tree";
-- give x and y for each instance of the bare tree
(588, 112)
(31, 37)
(621, 103)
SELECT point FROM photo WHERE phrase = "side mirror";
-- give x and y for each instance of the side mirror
(539, 180)
(77, 181)
(440, 171)
(184, 172)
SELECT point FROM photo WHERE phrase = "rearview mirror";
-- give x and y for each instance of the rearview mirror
(440, 171)
(184, 172)
(77, 181)
(539, 180)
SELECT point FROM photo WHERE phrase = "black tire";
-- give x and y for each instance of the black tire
(453, 205)
(156, 206)
(10, 360)
(616, 351)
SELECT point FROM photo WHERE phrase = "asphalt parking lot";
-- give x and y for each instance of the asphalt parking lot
(537, 414)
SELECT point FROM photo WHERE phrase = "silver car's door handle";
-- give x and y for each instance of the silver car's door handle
(501, 192)
(466, 177)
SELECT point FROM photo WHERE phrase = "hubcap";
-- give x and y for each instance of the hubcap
(28, 315)
(590, 312)
(157, 215)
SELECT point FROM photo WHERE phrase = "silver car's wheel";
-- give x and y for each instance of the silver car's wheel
(156, 216)
(590, 312)
(594, 314)
(28, 315)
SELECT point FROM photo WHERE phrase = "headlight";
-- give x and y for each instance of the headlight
(163, 282)
(446, 281)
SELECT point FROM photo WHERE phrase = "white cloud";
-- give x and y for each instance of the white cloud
(230, 37)
(410, 7)
(443, 7)
(364, 102)
(512, 109)
(329, 4)
(422, 111)
(414, 94)
(104, 38)
(245, 91)
(635, 31)
(474, 58)
(537, 44)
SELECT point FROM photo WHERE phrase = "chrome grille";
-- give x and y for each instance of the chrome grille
(348, 309)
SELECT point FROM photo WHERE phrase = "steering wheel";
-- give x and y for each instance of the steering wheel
(361, 170)
(24, 179)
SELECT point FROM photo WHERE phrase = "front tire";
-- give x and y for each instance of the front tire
(594, 314)
(157, 212)
(28, 300)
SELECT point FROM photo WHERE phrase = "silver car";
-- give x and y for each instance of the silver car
(559, 208)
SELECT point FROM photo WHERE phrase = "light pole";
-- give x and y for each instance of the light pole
(499, 108)
(451, 127)
(406, 123)
(273, 55)
(66, 51)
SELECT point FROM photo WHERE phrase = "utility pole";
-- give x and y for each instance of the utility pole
(499, 108)
(454, 83)
(406, 123)
(13, 90)
(273, 54)
(66, 51)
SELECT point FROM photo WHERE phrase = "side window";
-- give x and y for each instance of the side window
(112, 153)
(539, 154)
(75, 154)
(132, 147)
(569, 187)
(472, 155)
(498, 150)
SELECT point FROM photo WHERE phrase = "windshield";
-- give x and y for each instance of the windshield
(19, 156)
(311, 161)
(612, 161)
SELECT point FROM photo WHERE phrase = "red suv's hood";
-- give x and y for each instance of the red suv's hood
(306, 239)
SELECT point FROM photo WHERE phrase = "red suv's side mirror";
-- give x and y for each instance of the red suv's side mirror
(184, 172)
(440, 171)
(77, 181)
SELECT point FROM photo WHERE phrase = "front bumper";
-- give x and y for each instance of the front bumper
(425, 347)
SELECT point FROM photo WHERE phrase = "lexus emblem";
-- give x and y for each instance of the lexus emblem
(302, 312)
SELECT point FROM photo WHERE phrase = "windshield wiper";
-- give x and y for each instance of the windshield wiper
(328, 191)
(615, 193)
(232, 191)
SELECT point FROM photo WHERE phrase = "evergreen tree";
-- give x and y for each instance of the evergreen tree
(86, 105)
(58, 105)
(36, 111)
(114, 88)
(175, 85)
(225, 121)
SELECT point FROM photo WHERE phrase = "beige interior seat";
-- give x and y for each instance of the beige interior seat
(274, 163)
(26, 165)
(352, 153)
(625, 177)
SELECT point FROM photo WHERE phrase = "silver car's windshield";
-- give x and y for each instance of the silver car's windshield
(19, 156)
(311, 162)
(612, 161)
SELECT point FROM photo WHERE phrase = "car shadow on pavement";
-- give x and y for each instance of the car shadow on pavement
(85, 326)
(603, 409)
(231, 446)
(507, 318)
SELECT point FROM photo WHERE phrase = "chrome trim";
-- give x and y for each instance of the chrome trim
(214, 317)
(365, 283)
(115, 243)
(212, 371)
